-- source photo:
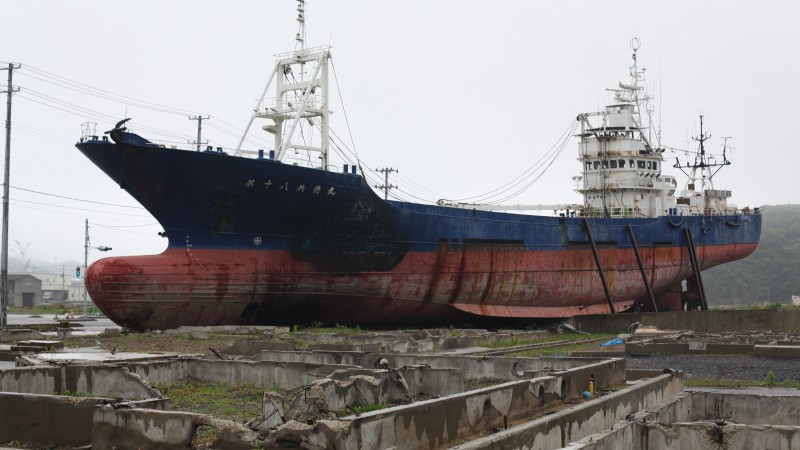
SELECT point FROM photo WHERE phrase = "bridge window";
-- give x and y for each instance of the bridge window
(630, 163)
(649, 165)
(613, 163)
(640, 164)
(597, 164)
(621, 163)
(605, 164)
(588, 165)
(655, 165)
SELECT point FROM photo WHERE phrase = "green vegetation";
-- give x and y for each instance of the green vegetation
(514, 341)
(357, 408)
(236, 403)
(53, 308)
(69, 393)
(770, 274)
(769, 381)
(318, 328)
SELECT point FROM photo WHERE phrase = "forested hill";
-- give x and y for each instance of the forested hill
(771, 274)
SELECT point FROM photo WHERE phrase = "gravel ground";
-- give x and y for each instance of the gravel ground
(721, 367)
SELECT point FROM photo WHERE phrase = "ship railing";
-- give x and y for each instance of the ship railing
(292, 104)
(304, 52)
(616, 212)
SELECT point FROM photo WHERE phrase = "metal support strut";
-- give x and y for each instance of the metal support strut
(641, 268)
(599, 266)
(701, 291)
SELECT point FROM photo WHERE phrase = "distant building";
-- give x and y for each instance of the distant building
(24, 290)
(796, 300)
(61, 287)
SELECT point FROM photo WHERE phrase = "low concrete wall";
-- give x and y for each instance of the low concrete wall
(476, 368)
(685, 348)
(100, 381)
(711, 321)
(51, 419)
(265, 374)
(561, 428)
(434, 423)
(752, 407)
(437, 422)
(46, 418)
(420, 380)
(314, 357)
(777, 351)
(657, 436)
(625, 433)
(147, 428)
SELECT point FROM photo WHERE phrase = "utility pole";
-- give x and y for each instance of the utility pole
(10, 89)
(199, 120)
(85, 263)
(386, 186)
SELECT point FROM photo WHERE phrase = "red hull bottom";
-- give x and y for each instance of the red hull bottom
(218, 287)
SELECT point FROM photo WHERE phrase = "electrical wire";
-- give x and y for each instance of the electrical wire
(73, 198)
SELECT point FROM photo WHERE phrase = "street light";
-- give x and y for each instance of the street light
(86, 247)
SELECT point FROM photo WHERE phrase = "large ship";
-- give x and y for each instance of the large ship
(257, 239)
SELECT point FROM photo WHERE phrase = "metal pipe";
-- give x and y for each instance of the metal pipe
(599, 266)
(641, 268)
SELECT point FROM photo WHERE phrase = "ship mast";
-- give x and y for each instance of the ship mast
(301, 99)
(703, 163)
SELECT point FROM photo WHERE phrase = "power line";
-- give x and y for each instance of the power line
(75, 199)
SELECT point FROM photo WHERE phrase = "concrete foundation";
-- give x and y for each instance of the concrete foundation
(115, 429)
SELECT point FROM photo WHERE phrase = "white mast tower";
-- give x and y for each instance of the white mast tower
(301, 98)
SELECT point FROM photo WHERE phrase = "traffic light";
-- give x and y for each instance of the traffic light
(78, 272)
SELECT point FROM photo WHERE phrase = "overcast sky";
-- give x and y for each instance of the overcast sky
(460, 96)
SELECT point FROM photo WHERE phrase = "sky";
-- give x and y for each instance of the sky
(460, 96)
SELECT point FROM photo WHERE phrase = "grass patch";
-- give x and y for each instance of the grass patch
(318, 328)
(54, 308)
(515, 341)
(236, 403)
(357, 408)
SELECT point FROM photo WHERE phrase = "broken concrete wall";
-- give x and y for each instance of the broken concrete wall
(739, 406)
(485, 369)
(313, 357)
(433, 423)
(146, 428)
(265, 374)
(563, 427)
(100, 381)
(328, 396)
(46, 418)
(53, 419)
(420, 380)
(626, 433)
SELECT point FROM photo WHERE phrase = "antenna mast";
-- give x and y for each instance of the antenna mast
(301, 19)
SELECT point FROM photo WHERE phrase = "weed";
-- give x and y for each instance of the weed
(357, 408)
(237, 403)
(770, 379)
